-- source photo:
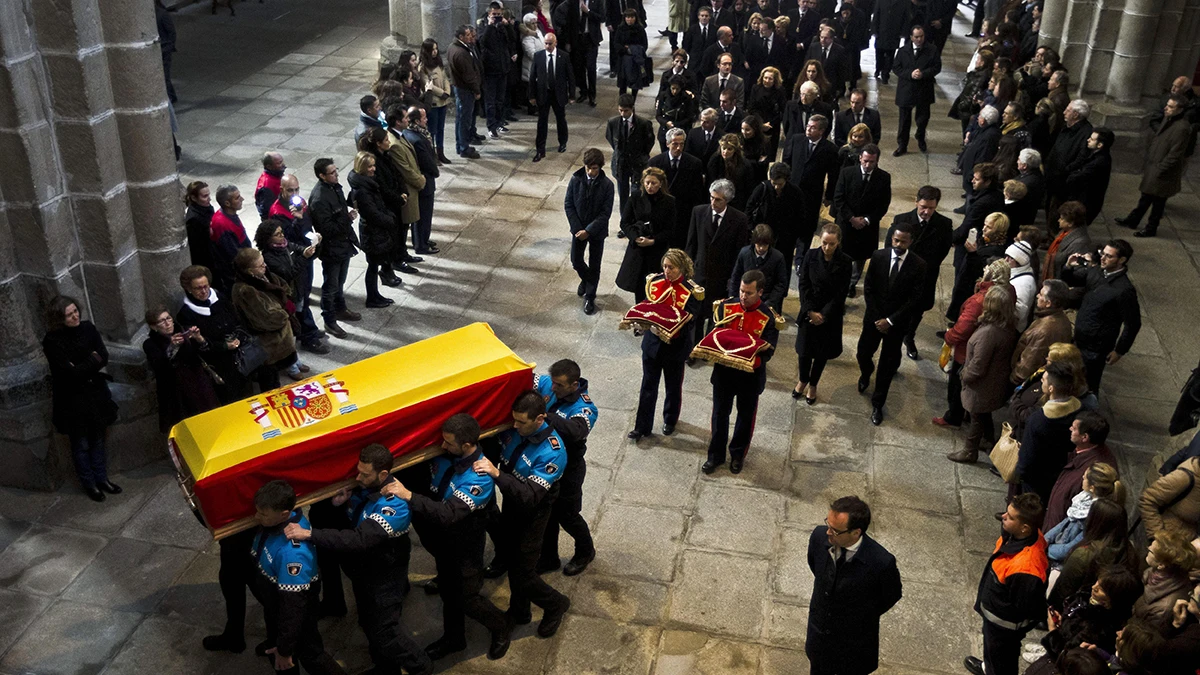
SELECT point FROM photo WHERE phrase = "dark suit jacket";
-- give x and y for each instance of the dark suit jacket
(779, 211)
(979, 207)
(1035, 195)
(695, 46)
(932, 243)
(898, 301)
(708, 60)
(759, 58)
(426, 160)
(617, 7)
(714, 252)
(540, 88)
(836, 65)
(795, 117)
(852, 198)
(981, 148)
(843, 122)
(710, 91)
(910, 92)
(804, 29)
(687, 185)
(698, 148)
(630, 152)
(733, 125)
(773, 267)
(817, 174)
(1087, 180)
(843, 615)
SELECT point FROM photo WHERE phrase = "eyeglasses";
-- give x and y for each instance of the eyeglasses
(163, 321)
(834, 529)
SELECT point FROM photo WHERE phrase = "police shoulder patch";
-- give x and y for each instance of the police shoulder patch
(476, 490)
(554, 442)
(294, 569)
(388, 511)
(295, 544)
(586, 397)
(551, 468)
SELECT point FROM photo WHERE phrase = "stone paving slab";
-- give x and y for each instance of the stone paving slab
(130, 575)
(734, 519)
(688, 653)
(723, 594)
(94, 635)
(590, 646)
(46, 560)
(651, 554)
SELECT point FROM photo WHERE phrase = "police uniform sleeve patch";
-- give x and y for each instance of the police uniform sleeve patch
(476, 490)
(551, 468)
(586, 397)
(295, 569)
(388, 511)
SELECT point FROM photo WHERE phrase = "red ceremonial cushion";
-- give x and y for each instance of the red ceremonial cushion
(730, 347)
(665, 320)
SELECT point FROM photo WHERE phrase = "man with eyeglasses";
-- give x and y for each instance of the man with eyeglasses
(855, 582)
(1109, 318)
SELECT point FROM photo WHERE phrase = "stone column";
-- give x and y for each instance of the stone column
(1054, 17)
(1099, 42)
(1076, 33)
(1129, 75)
(89, 208)
(1186, 52)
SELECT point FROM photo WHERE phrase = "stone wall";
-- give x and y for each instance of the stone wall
(89, 207)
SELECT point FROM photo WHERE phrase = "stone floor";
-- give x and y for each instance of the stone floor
(695, 574)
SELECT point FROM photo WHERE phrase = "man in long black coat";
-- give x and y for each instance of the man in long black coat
(932, 234)
(1087, 177)
(713, 246)
(860, 202)
(833, 58)
(916, 64)
(703, 140)
(856, 582)
(685, 182)
(815, 164)
(776, 202)
(888, 23)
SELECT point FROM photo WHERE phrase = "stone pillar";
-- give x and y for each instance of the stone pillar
(1129, 74)
(1076, 32)
(1054, 17)
(1186, 51)
(1099, 43)
(89, 207)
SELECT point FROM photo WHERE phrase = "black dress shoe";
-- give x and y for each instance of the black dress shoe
(962, 210)
(562, 148)
(392, 282)
(499, 645)
(110, 487)
(544, 566)
(537, 156)
(910, 350)
(431, 587)
(589, 307)
(550, 622)
(797, 394)
(478, 138)
(261, 648)
(494, 570)
(407, 268)
(1145, 233)
(93, 493)
(471, 153)
(668, 429)
(620, 234)
(581, 288)
(441, 648)
(636, 435)
(431, 249)
(1126, 222)
(224, 643)
(348, 315)
(863, 383)
(379, 303)
(971, 663)
(735, 464)
(899, 152)
(522, 620)
(921, 145)
(876, 415)
(810, 401)
(853, 292)
(577, 565)
(335, 330)
(709, 466)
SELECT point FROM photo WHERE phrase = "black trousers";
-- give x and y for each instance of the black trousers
(543, 123)
(732, 387)
(811, 370)
(627, 181)
(856, 270)
(459, 563)
(389, 643)
(583, 61)
(234, 577)
(324, 514)
(1156, 205)
(954, 407)
(589, 272)
(310, 649)
(566, 513)
(1093, 363)
(652, 371)
(883, 62)
(889, 358)
(1001, 646)
(906, 116)
(521, 537)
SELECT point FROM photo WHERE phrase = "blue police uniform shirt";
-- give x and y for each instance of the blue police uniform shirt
(541, 459)
(289, 565)
(455, 478)
(577, 406)
(391, 513)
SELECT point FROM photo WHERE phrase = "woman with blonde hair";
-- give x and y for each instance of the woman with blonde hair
(988, 244)
(648, 221)
(673, 286)
(729, 163)
(1171, 557)
(985, 369)
(767, 101)
(376, 227)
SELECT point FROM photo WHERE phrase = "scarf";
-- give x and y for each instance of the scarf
(204, 309)
(1081, 504)
(1048, 273)
(1011, 126)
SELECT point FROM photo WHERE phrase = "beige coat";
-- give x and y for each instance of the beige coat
(437, 91)
(1035, 342)
(405, 159)
(985, 370)
(1183, 516)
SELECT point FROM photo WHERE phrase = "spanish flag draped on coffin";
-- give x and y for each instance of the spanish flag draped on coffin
(309, 433)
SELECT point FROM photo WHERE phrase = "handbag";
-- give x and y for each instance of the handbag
(945, 357)
(639, 229)
(1004, 454)
(250, 354)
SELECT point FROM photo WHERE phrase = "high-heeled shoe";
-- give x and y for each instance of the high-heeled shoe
(799, 393)
(810, 400)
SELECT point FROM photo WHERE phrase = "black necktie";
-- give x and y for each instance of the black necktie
(716, 222)
(858, 118)
(826, 54)
(724, 83)
(674, 165)
(866, 178)
(550, 70)
(895, 270)
(703, 34)
(812, 147)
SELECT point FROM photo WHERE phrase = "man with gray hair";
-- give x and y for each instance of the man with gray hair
(715, 235)
(1050, 325)
(685, 182)
(1068, 147)
(702, 140)
(267, 190)
(981, 144)
(1029, 172)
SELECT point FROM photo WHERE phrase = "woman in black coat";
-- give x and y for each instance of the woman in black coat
(630, 42)
(392, 187)
(675, 108)
(83, 407)
(824, 276)
(217, 320)
(653, 209)
(767, 101)
(729, 163)
(184, 388)
(199, 215)
(376, 226)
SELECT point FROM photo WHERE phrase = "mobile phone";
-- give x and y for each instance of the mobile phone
(973, 236)
(297, 201)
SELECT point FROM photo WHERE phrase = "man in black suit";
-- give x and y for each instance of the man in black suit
(833, 60)
(986, 198)
(982, 146)
(417, 134)
(722, 15)
(1029, 172)
(729, 115)
(497, 61)
(724, 45)
(777, 202)
(857, 113)
(860, 202)
(685, 182)
(715, 235)
(766, 49)
(916, 64)
(699, 37)
(893, 292)
(797, 113)
(815, 164)
(586, 47)
(710, 90)
(632, 139)
(1087, 177)
(702, 140)
(932, 234)
(806, 20)
(855, 582)
(550, 87)
(761, 255)
(614, 18)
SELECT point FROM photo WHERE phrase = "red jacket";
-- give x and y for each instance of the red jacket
(968, 320)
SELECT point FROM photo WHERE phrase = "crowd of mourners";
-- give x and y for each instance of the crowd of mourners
(764, 141)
